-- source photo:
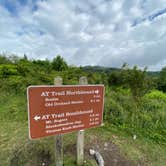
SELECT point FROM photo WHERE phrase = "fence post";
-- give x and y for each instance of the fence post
(59, 138)
(80, 134)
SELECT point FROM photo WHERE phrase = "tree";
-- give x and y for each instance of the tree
(114, 78)
(4, 60)
(59, 64)
(162, 80)
(43, 64)
(24, 66)
(137, 80)
(25, 57)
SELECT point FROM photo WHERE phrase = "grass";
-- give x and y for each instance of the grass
(17, 149)
(70, 161)
(141, 150)
(12, 137)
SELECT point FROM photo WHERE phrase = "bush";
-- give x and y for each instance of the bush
(156, 94)
(147, 117)
(7, 69)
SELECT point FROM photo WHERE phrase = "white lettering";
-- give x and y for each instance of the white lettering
(79, 112)
(53, 93)
(45, 94)
(44, 117)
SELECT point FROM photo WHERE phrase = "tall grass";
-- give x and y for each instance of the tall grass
(145, 118)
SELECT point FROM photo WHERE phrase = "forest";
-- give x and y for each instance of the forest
(134, 110)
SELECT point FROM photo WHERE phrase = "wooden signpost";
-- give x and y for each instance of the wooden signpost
(58, 138)
(59, 109)
(80, 134)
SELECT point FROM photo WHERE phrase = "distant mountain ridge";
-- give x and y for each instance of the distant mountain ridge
(108, 70)
(99, 69)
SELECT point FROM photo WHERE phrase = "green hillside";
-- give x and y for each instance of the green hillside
(134, 114)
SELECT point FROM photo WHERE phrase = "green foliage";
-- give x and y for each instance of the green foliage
(4, 59)
(13, 107)
(145, 116)
(148, 118)
(71, 76)
(136, 80)
(93, 78)
(114, 78)
(156, 94)
(7, 69)
(44, 64)
(104, 79)
(24, 67)
(162, 80)
(59, 64)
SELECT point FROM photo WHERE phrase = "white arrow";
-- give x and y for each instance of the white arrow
(36, 118)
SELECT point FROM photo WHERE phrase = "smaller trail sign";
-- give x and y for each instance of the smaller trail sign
(60, 109)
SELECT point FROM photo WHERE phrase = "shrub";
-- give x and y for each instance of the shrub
(146, 117)
(156, 94)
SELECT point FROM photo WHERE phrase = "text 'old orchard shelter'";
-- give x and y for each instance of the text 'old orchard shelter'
(60, 109)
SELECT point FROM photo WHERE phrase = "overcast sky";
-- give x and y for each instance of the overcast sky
(86, 32)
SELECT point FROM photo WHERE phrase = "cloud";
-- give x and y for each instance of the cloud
(150, 17)
(101, 32)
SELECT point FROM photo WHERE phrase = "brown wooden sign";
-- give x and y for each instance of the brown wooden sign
(60, 109)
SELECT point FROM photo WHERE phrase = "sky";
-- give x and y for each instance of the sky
(86, 32)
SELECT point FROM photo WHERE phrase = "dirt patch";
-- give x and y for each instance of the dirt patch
(41, 158)
(109, 151)
(44, 158)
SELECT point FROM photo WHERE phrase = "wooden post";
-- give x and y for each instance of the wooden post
(80, 134)
(58, 138)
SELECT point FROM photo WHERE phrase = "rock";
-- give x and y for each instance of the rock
(97, 156)
(106, 144)
(99, 159)
(91, 152)
(134, 137)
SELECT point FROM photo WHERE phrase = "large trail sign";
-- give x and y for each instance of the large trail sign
(60, 109)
